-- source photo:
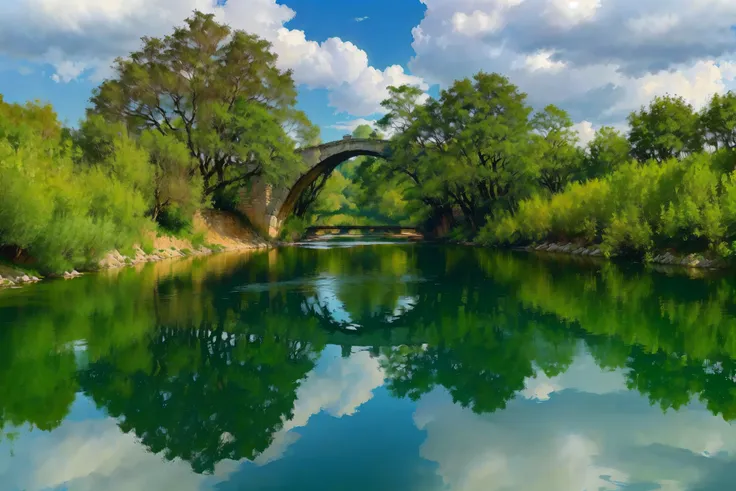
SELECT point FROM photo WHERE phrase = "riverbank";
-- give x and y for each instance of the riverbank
(660, 258)
(667, 258)
(218, 231)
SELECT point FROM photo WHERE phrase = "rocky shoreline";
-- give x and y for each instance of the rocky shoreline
(13, 278)
(223, 231)
(665, 258)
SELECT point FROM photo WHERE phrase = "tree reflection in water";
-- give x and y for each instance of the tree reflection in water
(202, 359)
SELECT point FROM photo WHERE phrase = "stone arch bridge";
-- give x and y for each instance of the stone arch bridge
(267, 207)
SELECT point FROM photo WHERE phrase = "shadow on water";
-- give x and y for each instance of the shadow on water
(203, 359)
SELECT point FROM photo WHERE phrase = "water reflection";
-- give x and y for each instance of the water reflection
(369, 367)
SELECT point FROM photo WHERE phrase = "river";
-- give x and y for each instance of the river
(362, 367)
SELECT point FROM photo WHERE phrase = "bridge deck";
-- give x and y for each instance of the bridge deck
(375, 228)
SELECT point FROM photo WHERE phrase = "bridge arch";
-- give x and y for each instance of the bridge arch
(267, 207)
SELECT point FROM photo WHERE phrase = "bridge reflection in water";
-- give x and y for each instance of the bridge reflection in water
(320, 232)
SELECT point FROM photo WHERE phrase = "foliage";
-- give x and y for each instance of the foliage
(559, 158)
(64, 214)
(605, 152)
(293, 229)
(687, 204)
(468, 148)
(668, 128)
(219, 93)
(357, 193)
(719, 121)
(174, 186)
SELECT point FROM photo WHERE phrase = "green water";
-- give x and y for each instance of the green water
(370, 367)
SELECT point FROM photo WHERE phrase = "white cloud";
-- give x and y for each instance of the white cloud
(330, 64)
(476, 23)
(87, 35)
(597, 59)
(363, 96)
(94, 454)
(653, 25)
(567, 13)
(361, 19)
(351, 124)
(696, 84)
(583, 375)
(585, 132)
(338, 386)
(541, 60)
(581, 430)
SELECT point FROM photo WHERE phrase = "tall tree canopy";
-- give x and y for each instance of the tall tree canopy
(465, 149)
(719, 121)
(219, 92)
(605, 152)
(560, 159)
(668, 128)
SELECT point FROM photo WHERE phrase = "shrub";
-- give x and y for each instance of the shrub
(63, 213)
(689, 204)
(293, 229)
(198, 239)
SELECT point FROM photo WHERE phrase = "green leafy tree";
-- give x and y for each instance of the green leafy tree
(483, 159)
(466, 149)
(202, 395)
(667, 128)
(560, 159)
(719, 121)
(60, 213)
(605, 152)
(219, 92)
(173, 186)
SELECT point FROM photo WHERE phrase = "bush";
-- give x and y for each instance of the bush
(174, 221)
(198, 239)
(689, 204)
(62, 213)
(293, 229)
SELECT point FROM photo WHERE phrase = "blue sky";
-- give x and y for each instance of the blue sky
(598, 59)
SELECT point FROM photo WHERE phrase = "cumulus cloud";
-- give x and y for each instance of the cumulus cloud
(83, 37)
(363, 95)
(337, 386)
(597, 59)
(580, 431)
(88, 455)
(351, 124)
(585, 132)
(95, 454)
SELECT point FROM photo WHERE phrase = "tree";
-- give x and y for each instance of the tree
(173, 187)
(668, 128)
(560, 160)
(605, 152)
(719, 121)
(485, 127)
(61, 213)
(400, 107)
(219, 92)
(203, 395)
(364, 131)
